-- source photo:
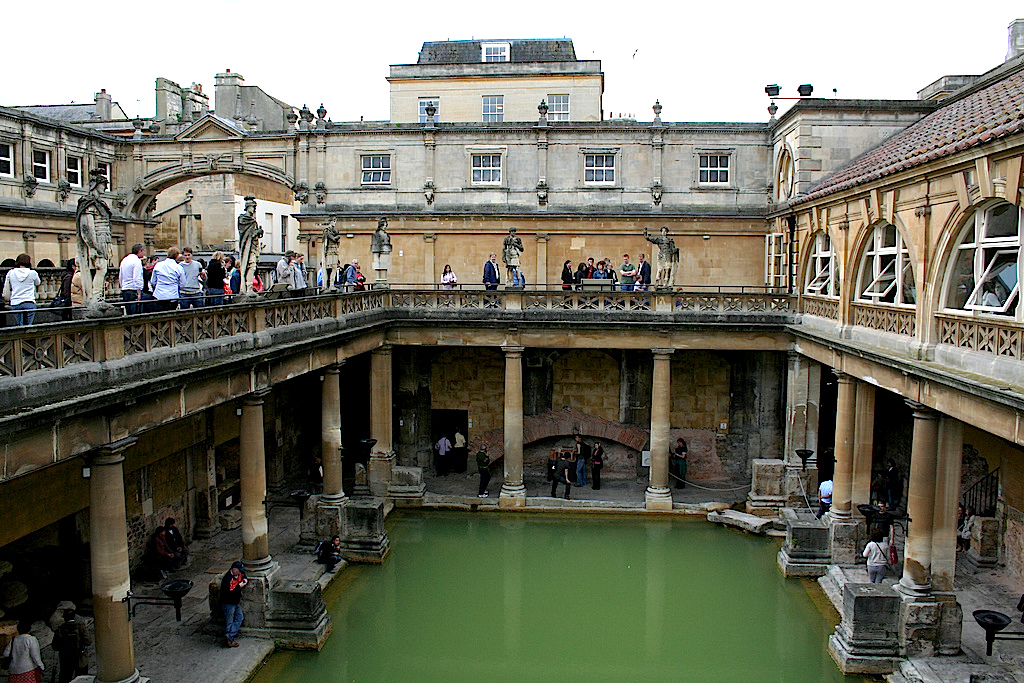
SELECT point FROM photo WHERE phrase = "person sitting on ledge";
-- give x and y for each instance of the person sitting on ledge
(175, 541)
(329, 552)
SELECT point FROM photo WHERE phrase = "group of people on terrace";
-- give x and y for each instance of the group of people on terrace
(177, 281)
(630, 277)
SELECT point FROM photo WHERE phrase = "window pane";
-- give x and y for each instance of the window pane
(477, 175)
(703, 161)
(588, 176)
(1002, 221)
(703, 176)
(38, 157)
(609, 175)
(723, 176)
(723, 162)
(713, 176)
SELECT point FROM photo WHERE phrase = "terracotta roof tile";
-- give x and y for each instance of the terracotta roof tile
(988, 114)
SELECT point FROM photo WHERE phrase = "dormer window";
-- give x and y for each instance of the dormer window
(494, 52)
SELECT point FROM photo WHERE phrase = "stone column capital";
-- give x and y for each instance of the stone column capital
(28, 236)
(63, 238)
(542, 237)
(843, 377)
(921, 411)
(430, 237)
(513, 351)
(333, 368)
(662, 353)
(256, 398)
(385, 349)
(113, 453)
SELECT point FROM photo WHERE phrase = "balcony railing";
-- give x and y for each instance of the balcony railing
(1002, 339)
(820, 306)
(885, 318)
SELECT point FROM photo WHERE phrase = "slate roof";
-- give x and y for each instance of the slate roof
(988, 113)
(72, 113)
(468, 51)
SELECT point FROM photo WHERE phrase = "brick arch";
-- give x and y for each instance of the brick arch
(588, 380)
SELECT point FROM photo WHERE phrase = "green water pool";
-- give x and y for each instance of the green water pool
(523, 597)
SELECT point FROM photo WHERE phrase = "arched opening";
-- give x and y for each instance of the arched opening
(885, 274)
(821, 276)
(983, 273)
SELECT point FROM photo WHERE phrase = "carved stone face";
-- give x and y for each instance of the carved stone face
(664, 231)
(250, 207)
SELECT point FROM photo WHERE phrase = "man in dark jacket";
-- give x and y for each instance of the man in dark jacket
(70, 641)
(491, 277)
(231, 601)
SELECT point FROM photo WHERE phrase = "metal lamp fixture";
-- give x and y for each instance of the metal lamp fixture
(805, 90)
(772, 90)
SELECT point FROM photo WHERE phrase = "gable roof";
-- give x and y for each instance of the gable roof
(212, 125)
(983, 114)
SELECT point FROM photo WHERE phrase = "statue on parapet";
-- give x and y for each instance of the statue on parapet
(330, 261)
(95, 245)
(668, 257)
(511, 248)
(249, 235)
(380, 246)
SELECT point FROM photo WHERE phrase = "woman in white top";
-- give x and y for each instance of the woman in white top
(26, 665)
(20, 289)
(875, 552)
(448, 279)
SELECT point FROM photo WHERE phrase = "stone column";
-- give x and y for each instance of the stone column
(108, 547)
(842, 526)
(803, 382)
(863, 445)
(328, 512)
(382, 459)
(947, 495)
(253, 473)
(429, 266)
(917, 564)
(513, 493)
(542, 260)
(658, 496)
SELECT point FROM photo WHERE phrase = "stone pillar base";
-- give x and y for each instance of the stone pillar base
(256, 598)
(929, 625)
(307, 522)
(844, 537)
(328, 516)
(658, 499)
(766, 496)
(137, 678)
(406, 488)
(363, 538)
(379, 473)
(797, 487)
(805, 551)
(865, 642)
(512, 496)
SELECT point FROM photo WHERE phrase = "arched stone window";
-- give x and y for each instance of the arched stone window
(984, 272)
(822, 275)
(886, 275)
(784, 175)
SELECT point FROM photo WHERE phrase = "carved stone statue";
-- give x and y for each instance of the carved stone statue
(330, 261)
(95, 243)
(668, 257)
(249, 235)
(510, 250)
(380, 245)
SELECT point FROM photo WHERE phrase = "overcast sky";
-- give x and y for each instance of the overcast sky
(706, 61)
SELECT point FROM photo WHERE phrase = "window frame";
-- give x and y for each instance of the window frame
(500, 151)
(985, 252)
(824, 263)
(499, 108)
(604, 169)
(9, 159)
(422, 114)
(775, 260)
(717, 156)
(107, 169)
(47, 165)
(77, 170)
(363, 170)
(485, 168)
(503, 50)
(889, 265)
(554, 114)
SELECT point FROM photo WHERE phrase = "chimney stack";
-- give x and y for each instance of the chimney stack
(1016, 39)
(103, 105)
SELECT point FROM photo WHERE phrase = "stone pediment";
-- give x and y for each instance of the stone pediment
(210, 127)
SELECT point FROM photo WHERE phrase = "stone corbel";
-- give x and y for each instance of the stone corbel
(30, 184)
(301, 190)
(428, 192)
(151, 206)
(923, 211)
(542, 192)
(320, 189)
(63, 237)
(28, 236)
(656, 192)
(63, 190)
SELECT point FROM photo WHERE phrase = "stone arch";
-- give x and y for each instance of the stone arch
(146, 189)
(860, 244)
(588, 380)
(805, 259)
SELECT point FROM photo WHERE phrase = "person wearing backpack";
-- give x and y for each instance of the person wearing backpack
(70, 641)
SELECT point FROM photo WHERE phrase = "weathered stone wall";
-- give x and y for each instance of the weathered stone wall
(412, 396)
(587, 380)
(700, 390)
(1013, 542)
(756, 427)
(471, 379)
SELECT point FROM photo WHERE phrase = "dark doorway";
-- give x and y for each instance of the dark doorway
(828, 402)
(447, 423)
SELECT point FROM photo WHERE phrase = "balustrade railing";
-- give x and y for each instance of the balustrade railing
(820, 306)
(886, 318)
(987, 336)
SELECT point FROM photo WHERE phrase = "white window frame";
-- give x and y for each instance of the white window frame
(9, 158)
(77, 170)
(824, 266)
(495, 52)
(486, 168)
(558, 109)
(775, 260)
(383, 170)
(106, 168)
(45, 165)
(423, 102)
(497, 106)
(986, 252)
(590, 163)
(716, 158)
(885, 268)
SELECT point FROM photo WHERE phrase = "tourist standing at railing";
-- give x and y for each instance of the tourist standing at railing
(628, 274)
(65, 289)
(77, 293)
(643, 274)
(130, 279)
(611, 271)
(567, 278)
(234, 275)
(215, 276)
(299, 275)
(591, 268)
(491, 277)
(448, 279)
(285, 270)
(191, 293)
(601, 273)
(352, 276)
(167, 281)
(20, 289)
(582, 273)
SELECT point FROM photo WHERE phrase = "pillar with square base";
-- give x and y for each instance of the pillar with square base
(865, 642)
(513, 492)
(658, 495)
(843, 527)
(333, 499)
(382, 458)
(108, 549)
(363, 538)
(803, 397)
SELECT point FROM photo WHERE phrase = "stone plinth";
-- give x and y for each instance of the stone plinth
(363, 538)
(406, 488)
(766, 495)
(805, 551)
(297, 618)
(799, 486)
(930, 625)
(984, 550)
(865, 642)
(844, 539)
